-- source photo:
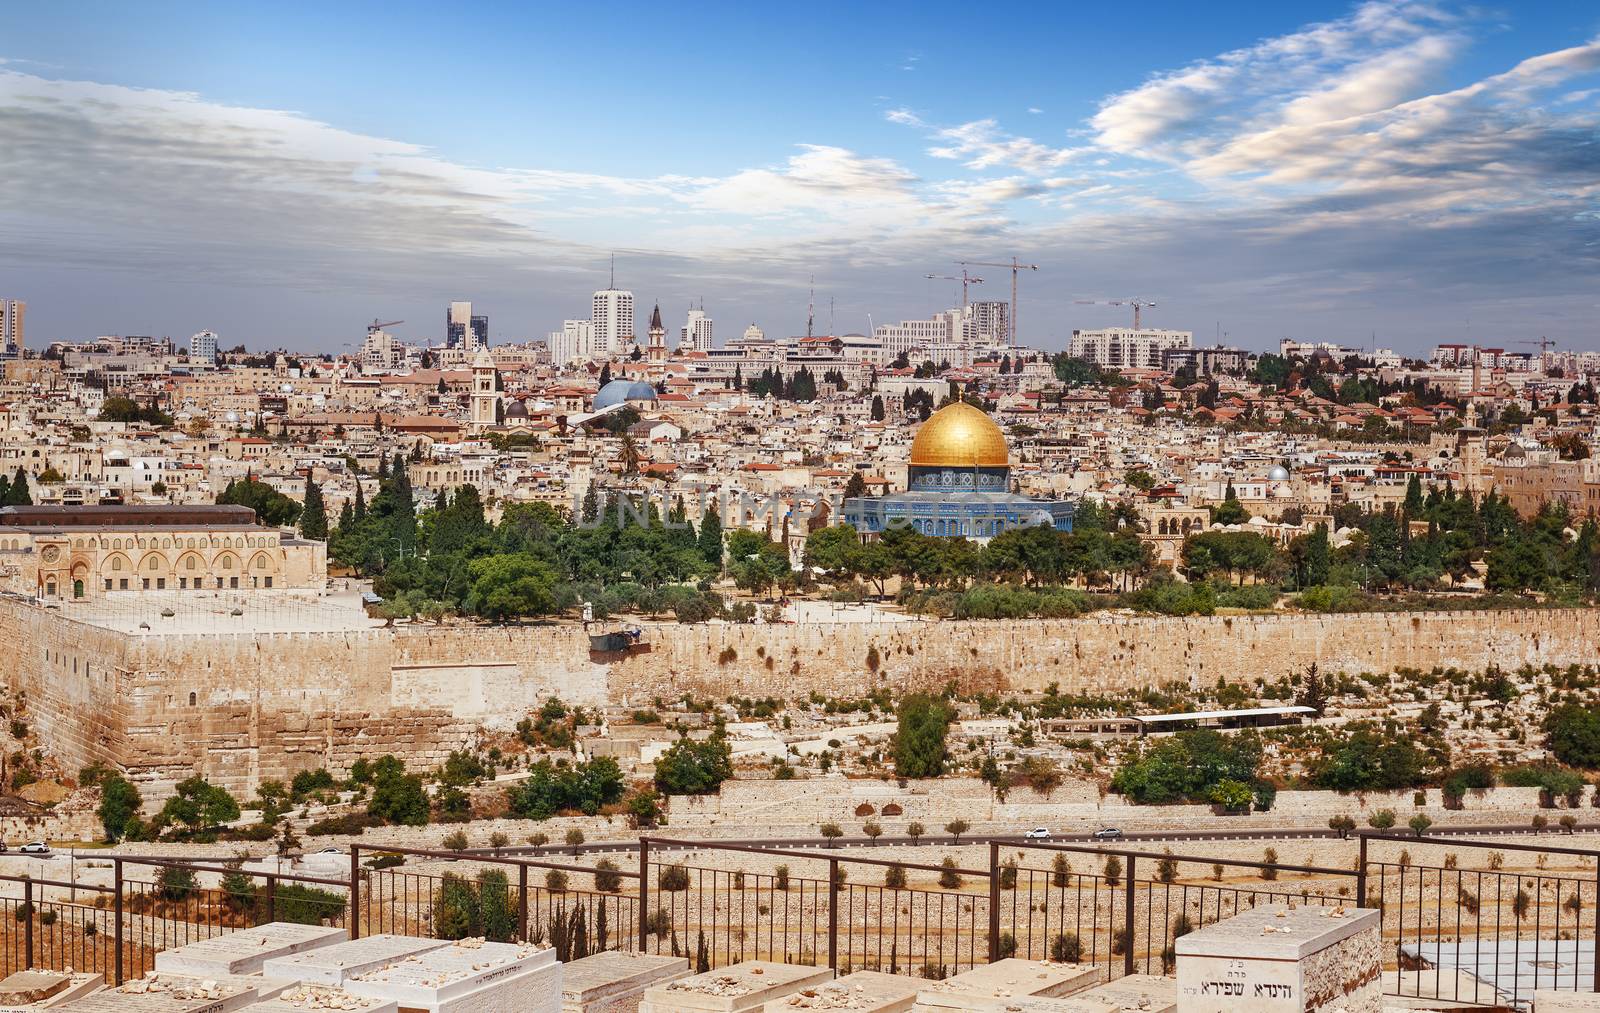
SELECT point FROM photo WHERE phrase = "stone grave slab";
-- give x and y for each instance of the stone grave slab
(602, 980)
(158, 993)
(866, 991)
(337, 962)
(1552, 1001)
(35, 990)
(1008, 979)
(1282, 959)
(243, 951)
(1135, 993)
(734, 989)
(303, 998)
(468, 976)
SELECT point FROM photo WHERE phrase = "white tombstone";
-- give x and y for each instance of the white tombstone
(337, 963)
(1280, 959)
(603, 980)
(733, 989)
(468, 976)
(39, 989)
(860, 991)
(243, 951)
(308, 998)
(1008, 979)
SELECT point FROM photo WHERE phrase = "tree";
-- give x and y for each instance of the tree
(1342, 824)
(272, 507)
(1419, 824)
(17, 493)
(197, 806)
(1383, 819)
(919, 741)
(709, 538)
(830, 832)
(1313, 691)
(398, 797)
(955, 828)
(511, 586)
(694, 768)
(915, 830)
(877, 408)
(119, 805)
(314, 513)
(1572, 733)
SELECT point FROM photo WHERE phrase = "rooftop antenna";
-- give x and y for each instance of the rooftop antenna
(811, 305)
(613, 270)
(830, 316)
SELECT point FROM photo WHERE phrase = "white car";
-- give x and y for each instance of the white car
(1107, 834)
(1038, 834)
(35, 848)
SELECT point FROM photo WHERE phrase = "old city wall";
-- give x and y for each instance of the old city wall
(1100, 653)
(241, 708)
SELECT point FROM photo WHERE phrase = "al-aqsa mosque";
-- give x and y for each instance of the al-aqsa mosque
(959, 484)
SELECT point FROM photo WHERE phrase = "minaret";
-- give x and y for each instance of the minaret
(658, 336)
(485, 398)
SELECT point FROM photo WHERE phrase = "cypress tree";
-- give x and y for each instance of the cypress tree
(709, 538)
(314, 514)
(18, 494)
(361, 503)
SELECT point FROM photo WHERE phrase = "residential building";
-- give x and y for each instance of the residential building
(696, 333)
(11, 335)
(1123, 347)
(573, 343)
(613, 321)
(203, 348)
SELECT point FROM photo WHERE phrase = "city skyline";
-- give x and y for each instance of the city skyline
(1421, 173)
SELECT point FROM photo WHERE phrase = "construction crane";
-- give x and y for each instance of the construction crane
(1545, 344)
(378, 325)
(1137, 304)
(965, 280)
(1015, 266)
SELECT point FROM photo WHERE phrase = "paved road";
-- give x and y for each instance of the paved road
(941, 839)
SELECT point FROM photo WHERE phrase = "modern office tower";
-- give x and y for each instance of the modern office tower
(696, 332)
(203, 348)
(464, 330)
(11, 314)
(613, 321)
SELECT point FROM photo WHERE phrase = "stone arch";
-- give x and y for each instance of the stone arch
(262, 562)
(118, 563)
(227, 562)
(153, 562)
(190, 562)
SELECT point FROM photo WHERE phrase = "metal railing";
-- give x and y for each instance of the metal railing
(1449, 933)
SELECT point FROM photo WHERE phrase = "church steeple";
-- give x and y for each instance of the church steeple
(658, 336)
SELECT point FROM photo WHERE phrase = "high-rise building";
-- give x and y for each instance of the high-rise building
(203, 348)
(1118, 347)
(696, 333)
(573, 343)
(464, 330)
(613, 321)
(990, 323)
(11, 314)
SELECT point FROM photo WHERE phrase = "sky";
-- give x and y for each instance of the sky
(1388, 172)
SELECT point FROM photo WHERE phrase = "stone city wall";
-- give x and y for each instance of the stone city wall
(241, 708)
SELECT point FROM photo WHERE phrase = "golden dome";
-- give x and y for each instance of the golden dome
(959, 436)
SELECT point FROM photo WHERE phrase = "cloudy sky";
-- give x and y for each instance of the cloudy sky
(1330, 171)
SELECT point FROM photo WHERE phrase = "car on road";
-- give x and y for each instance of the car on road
(1038, 834)
(35, 848)
(1107, 834)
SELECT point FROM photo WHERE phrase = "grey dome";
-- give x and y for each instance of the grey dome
(618, 391)
(516, 410)
(1278, 474)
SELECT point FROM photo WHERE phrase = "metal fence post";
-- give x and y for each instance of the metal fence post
(116, 914)
(1127, 920)
(272, 898)
(644, 894)
(994, 901)
(833, 914)
(1361, 880)
(27, 931)
(355, 892)
(1596, 921)
(522, 902)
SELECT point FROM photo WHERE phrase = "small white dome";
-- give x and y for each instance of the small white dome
(1278, 474)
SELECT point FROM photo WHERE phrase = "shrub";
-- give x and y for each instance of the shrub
(1383, 819)
(607, 878)
(673, 879)
(948, 877)
(955, 828)
(780, 878)
(555, 881)
(1167, 867)
(1419, 824)
(1113, 870)
(1008, 874)
(455, 841)
(1270, 856)
(1060, 871)
(1066, 948)
(894, 877)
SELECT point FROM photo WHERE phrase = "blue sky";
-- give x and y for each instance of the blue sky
(1422, 171)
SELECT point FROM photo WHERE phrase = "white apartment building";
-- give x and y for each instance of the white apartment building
(1124, 347)
(203, 348)
(944, 328)
(991, 322)
(696, 332)
(381, 351)
(12, 312)
(573, 343)
(612, 319)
